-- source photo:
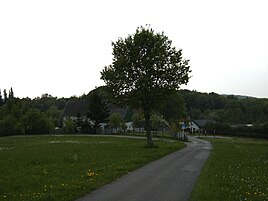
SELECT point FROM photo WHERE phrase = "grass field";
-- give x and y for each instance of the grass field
(66, 167)
(237, 169)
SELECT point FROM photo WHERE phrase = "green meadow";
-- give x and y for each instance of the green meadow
(66, 167)
(237, 169)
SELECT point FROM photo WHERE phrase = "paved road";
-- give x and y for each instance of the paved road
(171, 178)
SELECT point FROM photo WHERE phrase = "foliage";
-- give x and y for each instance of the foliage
(36, 122)
(1, 99)
(145, 69)
(173, 109)
(65, 168)
(174, 128)
(46, 102)
(97, 105)
(116, 119)
(138, 120)
(158, 122)
(231, 113)
(10, 126)
(123, 127)
(10, 94)
(69, 126)
(5, 96)
(225, 109)
(235, 170)
(24, 116)
(128, 115)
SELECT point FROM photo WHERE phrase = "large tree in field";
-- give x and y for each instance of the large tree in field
(145, 69)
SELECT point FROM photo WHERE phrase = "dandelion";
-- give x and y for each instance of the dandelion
(90, 173)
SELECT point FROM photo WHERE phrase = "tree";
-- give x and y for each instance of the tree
(78, 122)
(98, 110)
(36, 122)
(1, 99)
(69, 126)
(9, 125)
(145, 69)
(173, 108)
(5, 96)
(10, 94)
(158, 122)
(116, 119)
(138, 121)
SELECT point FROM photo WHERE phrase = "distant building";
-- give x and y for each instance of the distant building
(73, 109)
(198, 125)
(80, 108)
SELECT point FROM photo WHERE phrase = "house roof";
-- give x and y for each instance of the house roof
(126, 112)
(203, 122)
(81, 107)
(73, 108)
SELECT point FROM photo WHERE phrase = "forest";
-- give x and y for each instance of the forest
(29, 116)
(230, 109)
(232, 114)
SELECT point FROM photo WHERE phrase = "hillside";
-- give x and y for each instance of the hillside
(231, 109)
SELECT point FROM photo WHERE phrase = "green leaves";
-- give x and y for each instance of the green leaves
(145, 69)
(97, 105)
(145, 65)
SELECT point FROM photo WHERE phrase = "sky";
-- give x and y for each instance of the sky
(60, 47)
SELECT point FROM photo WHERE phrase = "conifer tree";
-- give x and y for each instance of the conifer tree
(11, 94)
(5, 96)
(1, 99)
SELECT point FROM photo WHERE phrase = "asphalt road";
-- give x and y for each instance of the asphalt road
(170, 178)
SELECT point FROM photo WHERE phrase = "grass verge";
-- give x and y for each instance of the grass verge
(237, 169)
(67, 167)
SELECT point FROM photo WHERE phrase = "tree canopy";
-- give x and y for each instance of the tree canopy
(97, 105)
(116, 119)
(145, 69)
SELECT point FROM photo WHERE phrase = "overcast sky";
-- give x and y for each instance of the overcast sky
(59, 47)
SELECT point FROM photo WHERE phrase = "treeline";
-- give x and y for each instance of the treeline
(5, 97)
(40, 115)
(232, 114)
(235, 115)
(230, 109)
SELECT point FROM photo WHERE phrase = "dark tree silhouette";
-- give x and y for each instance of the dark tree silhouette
(97, 108)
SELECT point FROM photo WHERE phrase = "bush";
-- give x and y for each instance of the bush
(36, 122)
(9, 125)
(69, 127)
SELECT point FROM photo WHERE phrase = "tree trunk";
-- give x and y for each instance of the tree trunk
(148, 128)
